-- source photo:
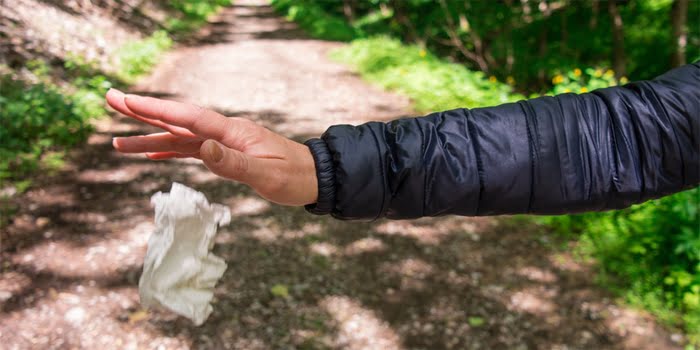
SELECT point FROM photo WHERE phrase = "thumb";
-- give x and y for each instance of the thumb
(226, 162)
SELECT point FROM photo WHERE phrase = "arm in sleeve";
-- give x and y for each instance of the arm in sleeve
(602, 150)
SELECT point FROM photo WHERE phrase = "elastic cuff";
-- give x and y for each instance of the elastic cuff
(325, 174)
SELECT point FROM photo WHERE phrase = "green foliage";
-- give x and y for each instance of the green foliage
(315, 20)
(191, 14)
(528, 42)
(649, 252)
(580, 81)
(476, 321)
(40, 120)
(280, 291)
(432, 83)
(36, 118)
(138, 57)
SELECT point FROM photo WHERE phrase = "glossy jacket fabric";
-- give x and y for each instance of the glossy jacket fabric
(602, 150)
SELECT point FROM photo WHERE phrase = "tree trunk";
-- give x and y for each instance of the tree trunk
(679, 18)
(564, 32)
(410, 33)
(348, 10)
(593, 23)
(618, 35)
(542, 54)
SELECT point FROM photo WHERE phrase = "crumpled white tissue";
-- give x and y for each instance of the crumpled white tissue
(179, 271)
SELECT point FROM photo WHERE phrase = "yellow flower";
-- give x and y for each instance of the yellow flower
(422, 53)
(584, 89)
(598, 73)
(624, 80)
(577, 72)
(493, 79)
(510, 80)
(609, 73)
(567, 90)
(558, 79)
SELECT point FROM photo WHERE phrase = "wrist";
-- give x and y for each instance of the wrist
(310, 179)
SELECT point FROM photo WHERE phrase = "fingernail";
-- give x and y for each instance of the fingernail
(114, 142)
(215, 152)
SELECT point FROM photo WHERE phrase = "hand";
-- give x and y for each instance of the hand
(277, 168)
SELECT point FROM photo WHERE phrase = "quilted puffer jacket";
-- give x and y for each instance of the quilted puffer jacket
(607, 149)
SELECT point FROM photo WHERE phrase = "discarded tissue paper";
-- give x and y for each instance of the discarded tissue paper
(179, 271)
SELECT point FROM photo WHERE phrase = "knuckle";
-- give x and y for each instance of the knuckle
(198, 118)
(241, 133)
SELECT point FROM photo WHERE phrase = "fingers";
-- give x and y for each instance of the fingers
(160, 142)
(115, 99)
(200, 121)
(171, 155)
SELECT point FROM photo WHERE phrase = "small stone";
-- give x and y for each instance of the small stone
(677, 338)
(75, 316)
(42, 221)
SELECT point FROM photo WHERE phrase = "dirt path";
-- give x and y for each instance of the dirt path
(72, 257)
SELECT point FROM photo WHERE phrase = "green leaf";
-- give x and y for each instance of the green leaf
(280, 291)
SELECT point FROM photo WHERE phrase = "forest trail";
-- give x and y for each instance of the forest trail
(72, 256)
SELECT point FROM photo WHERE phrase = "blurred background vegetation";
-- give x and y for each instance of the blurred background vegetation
(442, 54)
(50, 93)
(449, 54)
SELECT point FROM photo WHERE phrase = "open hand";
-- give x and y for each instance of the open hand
(277, 168)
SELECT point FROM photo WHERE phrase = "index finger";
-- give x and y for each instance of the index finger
(115, 99)
(200, 121)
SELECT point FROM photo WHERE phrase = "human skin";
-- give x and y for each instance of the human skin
(277, 168)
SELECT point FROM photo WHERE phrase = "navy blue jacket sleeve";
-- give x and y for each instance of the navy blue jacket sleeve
(602, 150)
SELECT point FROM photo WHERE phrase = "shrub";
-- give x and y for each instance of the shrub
(138, 57)
(36, 118)
(191, 14)
(315, 20)
(433, 83)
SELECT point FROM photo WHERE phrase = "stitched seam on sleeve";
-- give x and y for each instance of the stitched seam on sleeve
(477, 153)
(532, 151)
(422, 162)
(613, 150)
(382, 209)
(673, 130)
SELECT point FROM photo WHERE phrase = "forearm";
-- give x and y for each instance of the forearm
(606, 149)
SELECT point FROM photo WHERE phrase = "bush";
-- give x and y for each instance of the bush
(580, 81)
(315, 20)
(138, 57)
(37, 118)
(191, 14)
(433, 83)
